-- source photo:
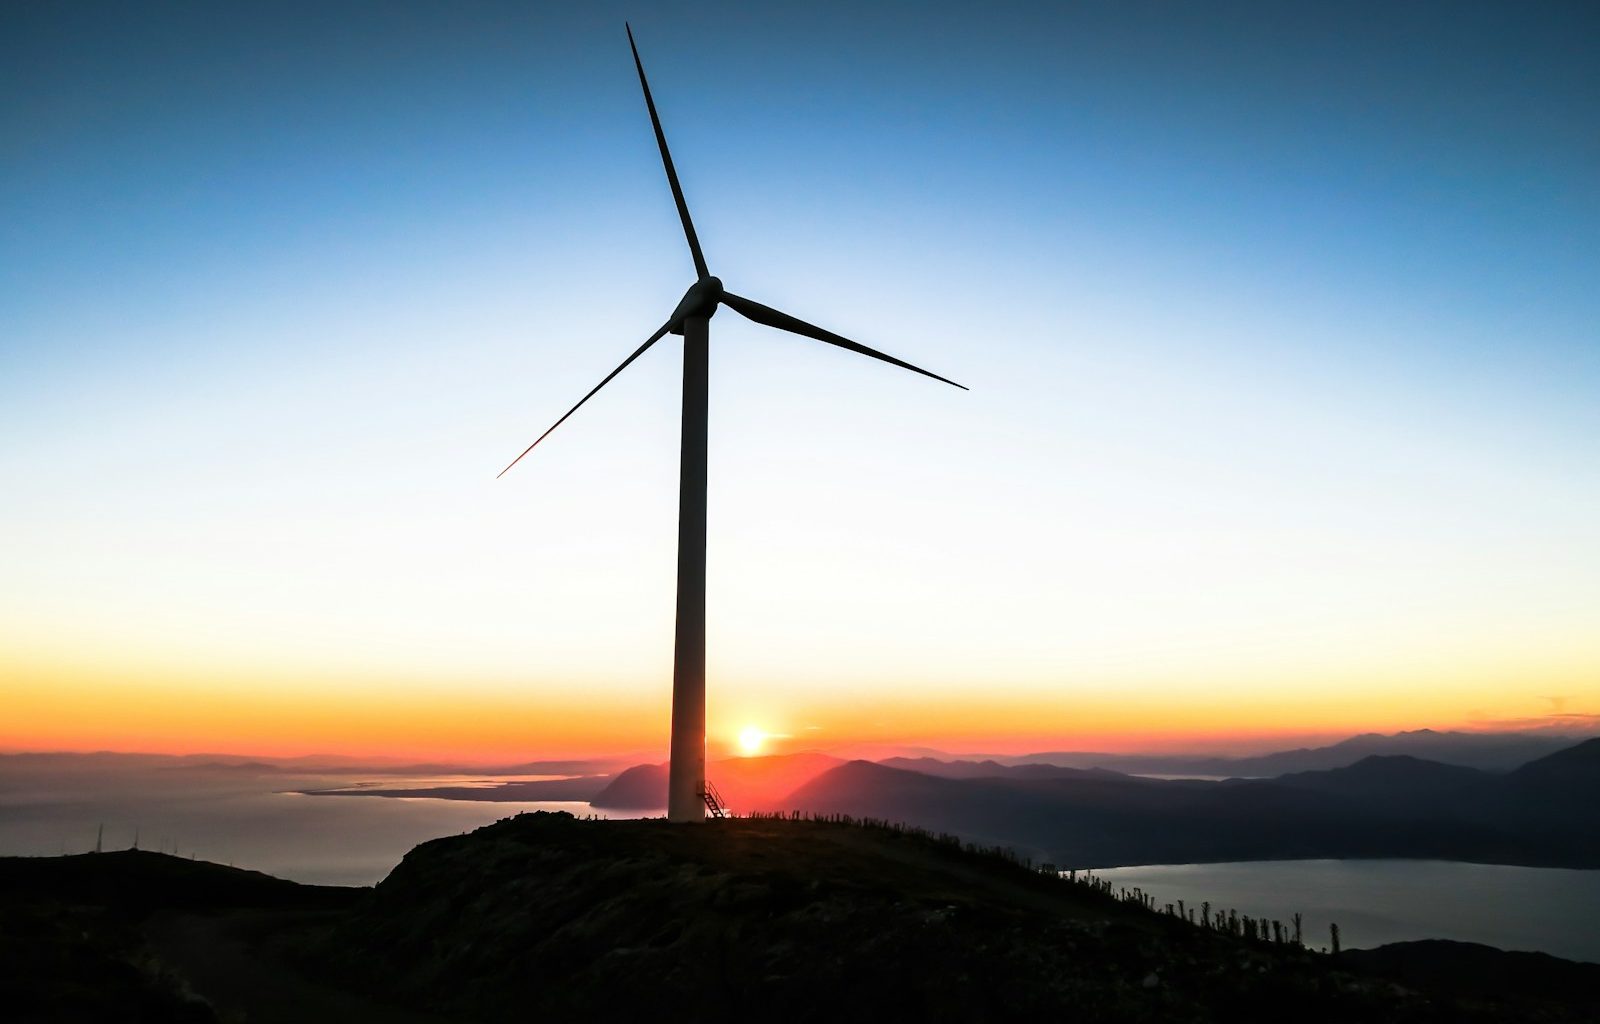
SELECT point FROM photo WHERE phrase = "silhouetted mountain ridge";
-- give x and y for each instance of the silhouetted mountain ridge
(1395, 779)
(991, 769)
(1498, 752)
(640, 788)
(1576, 764)
(1381, 806)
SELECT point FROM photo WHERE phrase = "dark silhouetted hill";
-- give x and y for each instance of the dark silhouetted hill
(640, 788)
(1558, 796)
(137, 882)
(547, 917)
(1400, 783)
(1497, 980)
(72, 944)
(1575, 766)
(746, 783)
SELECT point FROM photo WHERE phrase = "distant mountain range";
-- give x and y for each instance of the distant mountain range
(644, 786)
(112, 763)
(1451, 795)
(1382, 805)
(1488, 751)
(991, 769)
(1546, 812)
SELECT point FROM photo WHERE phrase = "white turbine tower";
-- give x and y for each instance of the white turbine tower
(686, 792)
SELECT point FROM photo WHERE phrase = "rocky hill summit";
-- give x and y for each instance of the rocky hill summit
(546, 916)
(549, 916)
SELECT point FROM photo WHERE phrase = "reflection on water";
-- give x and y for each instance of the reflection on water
(248, 820)
(1190, 778)
(1551, 910)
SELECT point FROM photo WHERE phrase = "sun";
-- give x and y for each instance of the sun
(751, 740)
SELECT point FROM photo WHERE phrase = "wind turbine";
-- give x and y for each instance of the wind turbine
(692, 319)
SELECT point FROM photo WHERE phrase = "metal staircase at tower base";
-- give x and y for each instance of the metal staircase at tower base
(713, 800)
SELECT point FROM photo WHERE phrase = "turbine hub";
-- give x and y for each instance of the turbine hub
(701, 299)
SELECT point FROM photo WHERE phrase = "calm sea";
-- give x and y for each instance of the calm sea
(1549, 910)
(244, 820)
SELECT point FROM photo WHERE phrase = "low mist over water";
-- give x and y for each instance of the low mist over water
(1548, 910)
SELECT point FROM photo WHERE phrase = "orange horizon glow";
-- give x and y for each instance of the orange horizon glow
(50, 710)
(405, 694)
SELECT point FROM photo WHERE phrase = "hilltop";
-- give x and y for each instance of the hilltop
(78, 934)
(138, 882)
(544, 916)
(547, 916)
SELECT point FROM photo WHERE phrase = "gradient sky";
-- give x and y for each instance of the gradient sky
(1282, 324)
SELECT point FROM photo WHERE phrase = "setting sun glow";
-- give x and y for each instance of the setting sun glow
(751, 740)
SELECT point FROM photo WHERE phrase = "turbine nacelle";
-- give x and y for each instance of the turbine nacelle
(701, 299)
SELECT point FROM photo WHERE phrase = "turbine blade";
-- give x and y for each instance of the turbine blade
(666, 161)
(636, 354)
(753, 310)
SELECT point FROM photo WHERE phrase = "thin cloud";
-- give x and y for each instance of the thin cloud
(1564, 722)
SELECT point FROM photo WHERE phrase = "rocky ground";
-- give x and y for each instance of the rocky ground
(549, 917)
(546, 915)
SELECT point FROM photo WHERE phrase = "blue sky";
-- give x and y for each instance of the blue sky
(1281, 326)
